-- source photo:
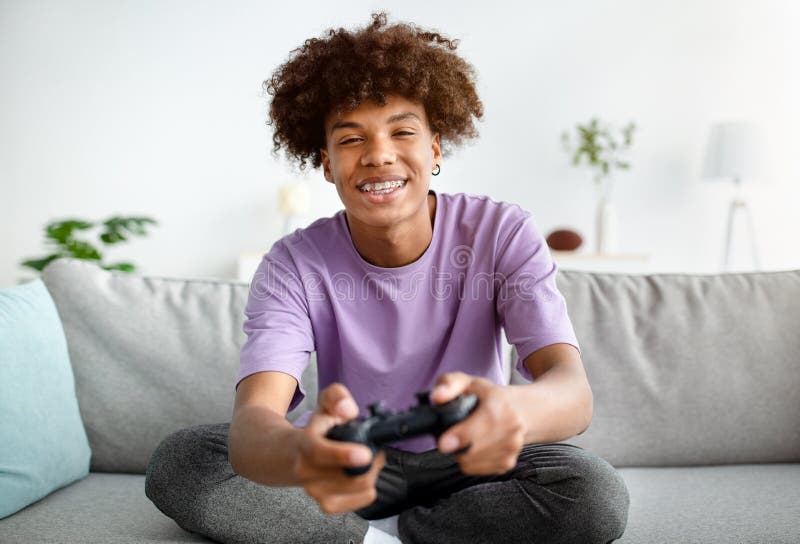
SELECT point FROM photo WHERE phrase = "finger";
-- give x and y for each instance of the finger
(334, 406)
(480, 432)
(340, 504)
(469, 433)
(449, 386)
(377, 465)
(342, 483)
(475, 430)
(478, 427)
(344, 493)
(458, 437)
(499, 451)
(322, 452)
(336, 400)
(314, 471)
(337, 499)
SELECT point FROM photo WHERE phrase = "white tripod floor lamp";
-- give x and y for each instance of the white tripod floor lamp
(735, 152)
(739, 205)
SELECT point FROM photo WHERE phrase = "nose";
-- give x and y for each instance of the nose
(378, 151)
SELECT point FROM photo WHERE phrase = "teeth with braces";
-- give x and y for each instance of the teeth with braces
(383, 187)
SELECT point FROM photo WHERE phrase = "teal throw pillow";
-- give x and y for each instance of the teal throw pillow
(43, 444)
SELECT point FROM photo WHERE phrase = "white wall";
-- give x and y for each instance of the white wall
(156, 108)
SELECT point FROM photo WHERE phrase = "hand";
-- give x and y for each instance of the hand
(320, 463)
(494, 433)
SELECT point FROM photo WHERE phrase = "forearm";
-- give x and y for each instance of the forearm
(557, 406)
(263, 446)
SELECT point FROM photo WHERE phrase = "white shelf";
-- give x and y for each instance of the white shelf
(602, 262)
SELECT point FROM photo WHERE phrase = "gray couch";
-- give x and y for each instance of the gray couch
(696, 382)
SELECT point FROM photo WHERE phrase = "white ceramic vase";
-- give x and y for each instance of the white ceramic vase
(606, 226)
(605, 219)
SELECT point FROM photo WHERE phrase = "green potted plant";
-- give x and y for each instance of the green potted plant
(61, 237)
(603, 150)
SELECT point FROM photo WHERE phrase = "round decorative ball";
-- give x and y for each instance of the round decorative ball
(564, 240)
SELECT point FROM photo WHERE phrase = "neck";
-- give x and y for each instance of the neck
(397, 245)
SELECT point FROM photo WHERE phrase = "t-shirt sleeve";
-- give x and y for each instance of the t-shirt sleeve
(277, 324)
(529, 306)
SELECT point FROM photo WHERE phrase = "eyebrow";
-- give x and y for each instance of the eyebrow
(392, 119)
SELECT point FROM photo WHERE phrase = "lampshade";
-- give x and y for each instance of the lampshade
(735, 151)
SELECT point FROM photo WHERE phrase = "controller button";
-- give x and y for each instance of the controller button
(376, 409)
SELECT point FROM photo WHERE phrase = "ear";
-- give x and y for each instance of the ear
(326, 165)
(436, 147)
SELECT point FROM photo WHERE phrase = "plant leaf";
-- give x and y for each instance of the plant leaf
(83, 250)
(60, 231)
(134, 225)
(112, 237)
(40, 264)
(123, 267)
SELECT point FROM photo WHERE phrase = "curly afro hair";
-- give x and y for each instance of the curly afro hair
(344, 69)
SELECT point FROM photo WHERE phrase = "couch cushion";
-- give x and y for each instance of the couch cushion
(100, 509)
(43, 443)
(747, 504)
(150, 355)
(690, 369)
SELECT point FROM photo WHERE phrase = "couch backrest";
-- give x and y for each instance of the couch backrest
(150, 356)
(685, 369)
(690, 369)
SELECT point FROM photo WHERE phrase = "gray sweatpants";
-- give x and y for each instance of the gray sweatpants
(557, 493)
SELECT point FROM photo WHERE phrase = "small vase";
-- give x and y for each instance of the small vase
(606, 227)
(606, 218)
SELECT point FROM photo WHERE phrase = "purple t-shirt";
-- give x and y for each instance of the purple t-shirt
(386, 333)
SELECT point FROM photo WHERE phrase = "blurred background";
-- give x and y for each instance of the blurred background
(156, 108)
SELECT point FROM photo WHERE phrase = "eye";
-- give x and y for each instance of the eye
(399, 133)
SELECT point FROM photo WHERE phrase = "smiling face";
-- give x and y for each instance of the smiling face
(374, 144)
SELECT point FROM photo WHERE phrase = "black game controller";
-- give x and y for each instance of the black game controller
(382, 427)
